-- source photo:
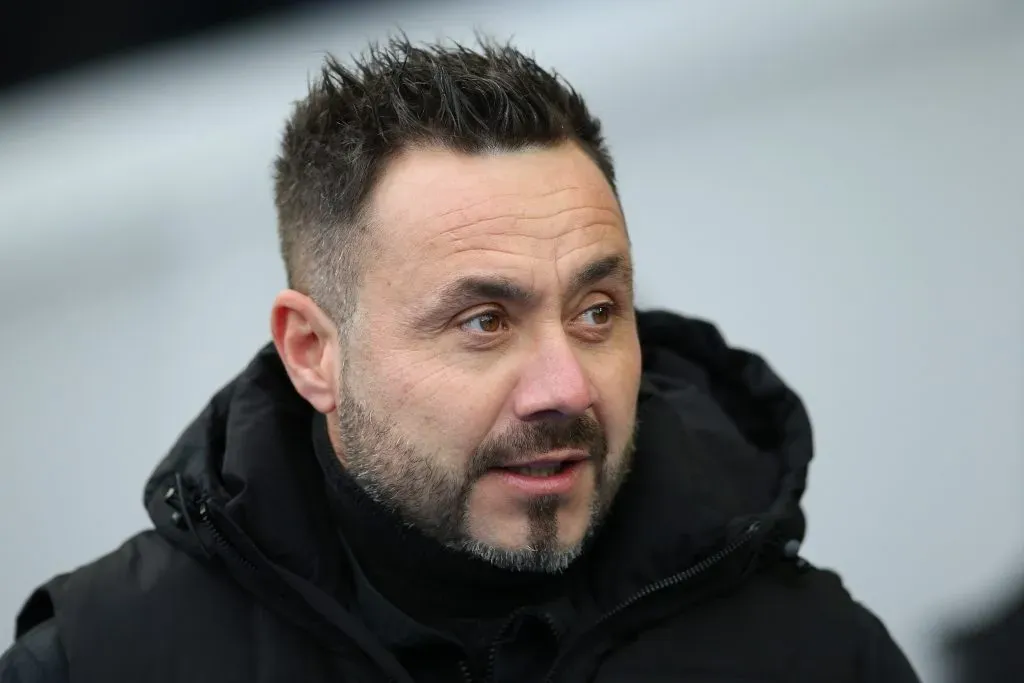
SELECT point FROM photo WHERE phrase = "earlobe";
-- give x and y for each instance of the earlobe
(307, 343)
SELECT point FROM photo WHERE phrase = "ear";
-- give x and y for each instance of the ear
(307, 342)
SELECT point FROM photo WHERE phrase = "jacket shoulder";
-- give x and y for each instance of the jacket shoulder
(131, 581)
(117, 616)
(36, 657)
(822, 623)
(786, 622)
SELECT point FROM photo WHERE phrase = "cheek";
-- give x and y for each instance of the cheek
(616, 376)
(450, 408)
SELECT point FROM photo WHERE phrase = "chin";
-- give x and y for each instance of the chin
(574, 529)
(563, 532)
(549, 560)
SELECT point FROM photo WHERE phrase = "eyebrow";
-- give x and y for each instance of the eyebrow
(616, 266)
(474, 289)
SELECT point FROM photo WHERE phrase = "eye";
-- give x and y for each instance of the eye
(598, 315)
(485, 323)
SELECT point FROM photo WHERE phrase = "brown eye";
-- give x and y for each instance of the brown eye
(485, 323)
(598, 315)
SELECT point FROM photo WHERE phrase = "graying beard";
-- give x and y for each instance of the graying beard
(542, 555)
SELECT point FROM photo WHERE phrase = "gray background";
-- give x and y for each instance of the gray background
(837, 185)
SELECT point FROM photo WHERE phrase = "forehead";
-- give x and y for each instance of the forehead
(482, 210)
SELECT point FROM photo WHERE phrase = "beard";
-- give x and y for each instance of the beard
(411, 482)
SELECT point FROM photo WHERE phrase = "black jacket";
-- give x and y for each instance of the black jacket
(695, 575)
(991, 650)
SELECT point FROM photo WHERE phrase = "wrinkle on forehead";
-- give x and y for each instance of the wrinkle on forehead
(438, 191)
(508, 197)
(516, 216)
(565, 229)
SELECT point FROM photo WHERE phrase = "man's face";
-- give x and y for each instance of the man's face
(490, 377)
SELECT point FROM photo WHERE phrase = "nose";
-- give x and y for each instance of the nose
(553, 383)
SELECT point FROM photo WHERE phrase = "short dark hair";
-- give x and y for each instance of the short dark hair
(355, 119)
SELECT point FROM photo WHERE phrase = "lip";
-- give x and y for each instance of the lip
(573, 455)
(559, 484)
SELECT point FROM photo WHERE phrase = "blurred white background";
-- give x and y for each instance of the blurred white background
(837, 185)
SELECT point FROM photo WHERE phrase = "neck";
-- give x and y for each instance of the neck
(416, 573)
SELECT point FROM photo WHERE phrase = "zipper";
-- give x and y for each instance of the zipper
(493, 654)
(206, 520)
(689, 574)
(220, 540)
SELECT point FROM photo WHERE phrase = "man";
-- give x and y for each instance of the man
(465, 457)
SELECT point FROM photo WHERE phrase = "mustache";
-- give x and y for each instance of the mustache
(524, 442)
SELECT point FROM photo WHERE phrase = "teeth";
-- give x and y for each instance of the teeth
(538, 470)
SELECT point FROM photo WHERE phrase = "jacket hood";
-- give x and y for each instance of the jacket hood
(722, 444)
(721, 441)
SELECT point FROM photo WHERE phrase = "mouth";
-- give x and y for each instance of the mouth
(554, 474)
(544, 469)
(549, 465)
